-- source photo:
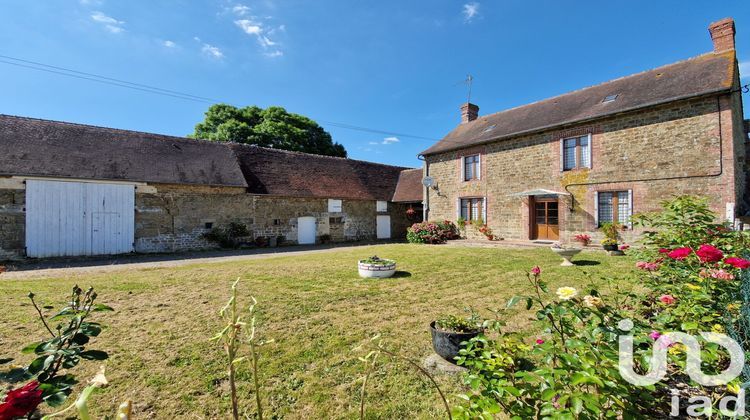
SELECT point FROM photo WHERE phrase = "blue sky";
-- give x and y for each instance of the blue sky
(389, 65)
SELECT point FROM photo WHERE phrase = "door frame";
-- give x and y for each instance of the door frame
(533, 226)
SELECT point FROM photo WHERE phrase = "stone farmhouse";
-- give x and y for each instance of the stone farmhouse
(565, 165)
(71, 189)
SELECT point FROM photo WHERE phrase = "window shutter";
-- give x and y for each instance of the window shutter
(596, 209)
(479, 166)
(562, 155)
(458, 208)
(484, 209)
(462, 162)
(591, 146)
(630, 210)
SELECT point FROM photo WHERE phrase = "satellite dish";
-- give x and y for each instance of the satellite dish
(428, 181)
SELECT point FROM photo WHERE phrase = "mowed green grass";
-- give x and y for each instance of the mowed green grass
(316, 309)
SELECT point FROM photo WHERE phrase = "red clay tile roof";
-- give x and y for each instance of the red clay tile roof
(409, 187)
(34, 147)
(706, 74)
(295, 174)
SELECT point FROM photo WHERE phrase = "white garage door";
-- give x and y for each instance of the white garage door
(78, 218)
(306, 230)
(384, 227)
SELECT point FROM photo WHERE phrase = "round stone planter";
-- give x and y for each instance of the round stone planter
(566, 254)
(447, 344)
(378, 271)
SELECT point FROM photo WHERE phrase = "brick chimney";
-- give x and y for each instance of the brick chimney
(469, 112)
(722, 34)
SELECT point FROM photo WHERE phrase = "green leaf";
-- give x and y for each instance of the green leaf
(99, 307)
(80, 339)
(513, 301)
(94, 355)
(529, 303)
(91, 329)
(31, 347)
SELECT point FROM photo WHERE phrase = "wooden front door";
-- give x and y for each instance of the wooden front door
(545, 219)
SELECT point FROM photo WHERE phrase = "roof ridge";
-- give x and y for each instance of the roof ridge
(315, 155)
(113, 129)
(710, 53)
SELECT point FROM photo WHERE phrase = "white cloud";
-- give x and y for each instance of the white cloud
(111, 24)
(390, 140)
(250, 27)
(169, 44)
(470, 11)
(240, 10)
(745, 70)
(256, 29)
(273, 54)
(212, 51)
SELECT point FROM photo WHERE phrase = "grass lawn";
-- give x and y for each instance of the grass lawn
(315, 308)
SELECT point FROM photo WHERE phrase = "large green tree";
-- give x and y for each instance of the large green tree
(270, 127)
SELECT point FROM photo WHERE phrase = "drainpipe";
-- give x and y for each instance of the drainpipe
(425, 190)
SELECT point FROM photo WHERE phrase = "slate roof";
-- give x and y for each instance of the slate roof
(409, 187)
(706, 74)
(34, 147)
(296, 174)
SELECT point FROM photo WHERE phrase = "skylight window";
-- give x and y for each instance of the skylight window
(490, 128)
(610, 98)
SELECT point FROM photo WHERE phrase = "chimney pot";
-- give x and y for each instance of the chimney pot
(469, 112)
(722, 34)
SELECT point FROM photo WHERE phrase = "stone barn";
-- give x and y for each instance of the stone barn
(70, 189)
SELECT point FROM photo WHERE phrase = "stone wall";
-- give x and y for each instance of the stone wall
(678, 145)
(170, 218)
(12, 222)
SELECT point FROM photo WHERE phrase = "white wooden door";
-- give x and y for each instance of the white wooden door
(384, 227)
(306, 230)
(78, 218)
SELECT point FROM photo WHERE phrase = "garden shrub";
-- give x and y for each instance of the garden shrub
(690, 266)
(432, 232)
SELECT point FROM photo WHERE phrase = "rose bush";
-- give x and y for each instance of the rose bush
(432, 232)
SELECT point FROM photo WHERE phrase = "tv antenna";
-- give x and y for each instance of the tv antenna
(468, 82)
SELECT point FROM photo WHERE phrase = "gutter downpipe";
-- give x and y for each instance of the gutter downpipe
(425, 190)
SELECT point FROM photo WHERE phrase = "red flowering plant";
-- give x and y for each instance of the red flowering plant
(432, 232)
(54, 356)
(583, 239)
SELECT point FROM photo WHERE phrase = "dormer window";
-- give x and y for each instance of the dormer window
(470, 167)
(610, 98)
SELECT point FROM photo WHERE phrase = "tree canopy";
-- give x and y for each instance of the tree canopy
(271, 127)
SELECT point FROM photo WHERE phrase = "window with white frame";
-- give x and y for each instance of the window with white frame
(382, 206)
(576, 152)
(614, 207)
(334, 206)
(470, 167)
(472, 208)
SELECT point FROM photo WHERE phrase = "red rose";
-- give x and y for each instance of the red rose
(663, 251)
(709, 254)
(22, 401)
(536, 270)
(679, 253)
(735, 262)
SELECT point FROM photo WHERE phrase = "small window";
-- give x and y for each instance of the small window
(471, 167)
(614, 207)
(276, 222)
(209, 225)
(334, 206)
(472, 208)
(335, 220)
(382, 206)
(576, 153)
(609, 98)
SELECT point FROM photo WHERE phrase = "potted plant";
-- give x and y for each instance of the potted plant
(450, 331)
(565, 253)
(376, 267)
(611, 236)
(583, 239)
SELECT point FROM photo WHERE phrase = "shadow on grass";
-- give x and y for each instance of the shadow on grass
(401, 274)
(586, 262)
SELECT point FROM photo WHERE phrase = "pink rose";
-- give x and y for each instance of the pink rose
(735, 262)
(539, 341)
(536, 270)
(655, 335)
(624, 247)
(667, 299)
(708, 254)
(679, 253)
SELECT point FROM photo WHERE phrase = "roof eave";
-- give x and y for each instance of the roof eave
(579, 121)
